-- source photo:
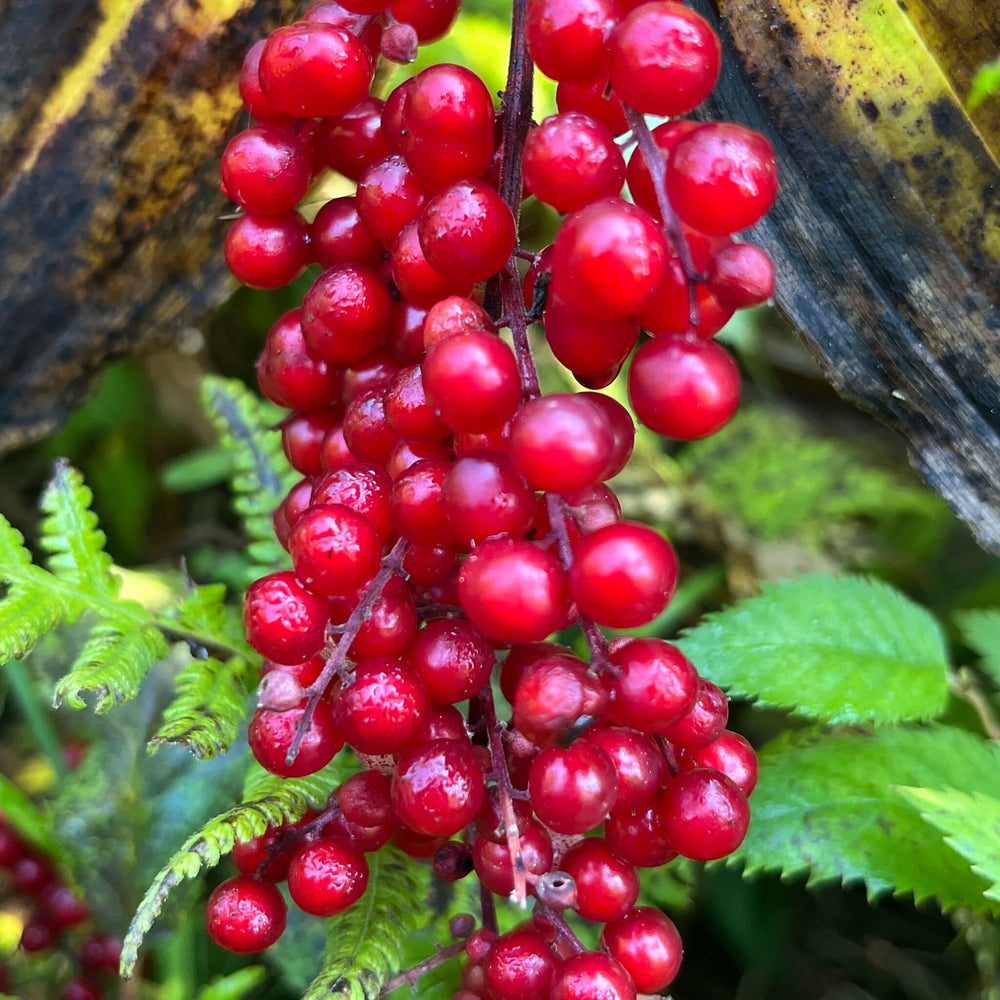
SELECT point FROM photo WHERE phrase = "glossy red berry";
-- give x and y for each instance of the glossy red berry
(571, 160)
(623, 575)
(654, 686)
(591, 976)
(722, 178)
(327, 877)
(553, 694)
(266, 169)
(519, 966)
(413, 274)
(647, 945)
(491, 857)
(438, 787)
(448, 103)
(704, 815)
(483, 494)
(345, 313)
(568, 38)
(730, 754)
(467, 231)
(335, 550)
(353, 141)
(638, 762)
(664, 59)
(258, 105)
(453, 658)
(271, 735)
(283, 620)
(572, 790)
(245, 915)
(267, 251)
(741, 275)
(683, 387)
(314, 70)
(431, 19)
(513, 591)
(389, 197)
(606, 887)
(706, 720)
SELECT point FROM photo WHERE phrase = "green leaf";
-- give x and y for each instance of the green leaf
(112, 665)
(273, 802)
(69, 533)
(261, 476)
(27, 612)
(981, 630)
(31, 823)
(824, 807)
(970, 822)
(841, 649)
(365, 944)
(985, 83)
(236, 985)
(211, 704)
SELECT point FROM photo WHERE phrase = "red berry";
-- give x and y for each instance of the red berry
(467, 231)
(664, 59)
(706, 720)
(647, 945)
(611, 256)
(513, 591)
(730, 754)
(417, 512)
(345, 313)
(267, 251)
(82, 989)
(245, 915)
(454, 314)
(519, 966)
(438, 787)
(284, 622)
(431, 19)
(61, 907)
(271, 735)
(353, 141)
(571, 160)
(327, 877)
(704, 815)
(741, 275)
(335, 550)
(492, 858)
(266, 169)
(453, 658)
(654, 686)
(472, 380)
(553, 694)
(623, 575)
(722, 177)
(606, 887)
(572, 790)
(591, 976)
(568, 38)
(414, 275)
(389, 197)
(259, 106)
(338, 236)
(289, 373)
(561, 442)
(638, 837)
(638, 762)
(595, 98)
(483, 495)
(314, 70)
(382, 710)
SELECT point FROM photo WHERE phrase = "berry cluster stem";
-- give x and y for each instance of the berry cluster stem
(413, 975)
(671, 223)
(336, 661)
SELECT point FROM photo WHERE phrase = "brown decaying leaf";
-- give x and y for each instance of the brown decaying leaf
(886, 233)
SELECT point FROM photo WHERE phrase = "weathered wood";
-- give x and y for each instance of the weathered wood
(886, 233)
(111, 116)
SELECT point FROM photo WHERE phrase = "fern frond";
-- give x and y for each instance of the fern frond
(69, 533)
(26, 614)
(261, 475)
(112, 664)
(275, 801)
(211, 702)
(365, 944)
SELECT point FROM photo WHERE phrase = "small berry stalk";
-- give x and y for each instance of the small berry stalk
(451, 518)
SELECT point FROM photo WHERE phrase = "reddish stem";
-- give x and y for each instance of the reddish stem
(413, 974)
(671, 223)
(337, 662)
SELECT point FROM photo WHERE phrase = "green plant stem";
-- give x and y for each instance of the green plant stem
(36, 715)
(963, 683)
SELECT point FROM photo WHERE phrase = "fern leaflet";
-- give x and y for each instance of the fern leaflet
(273, 802)
(261, 476)
(365, 945)
(211, 701)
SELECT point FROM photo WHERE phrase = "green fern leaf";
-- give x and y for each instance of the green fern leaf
(69, 533)
(824, 807)
(273, 802)
(261, 476)
(26, 614)
(841, 649)
(365, 944)
(112, 664)
(211, 703)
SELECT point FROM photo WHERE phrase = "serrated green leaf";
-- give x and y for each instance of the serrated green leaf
(236, 985)
(112, 665)
(980, 629)
(841, 649)
(824, 807)
(69, 533)
(31, 823)
(260, 474)
(202, 609)
(273, 802)
(365, 944)
(211, 704)
(970, 822)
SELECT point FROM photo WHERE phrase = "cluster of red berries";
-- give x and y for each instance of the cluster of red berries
(450, 517)
(56, 911)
